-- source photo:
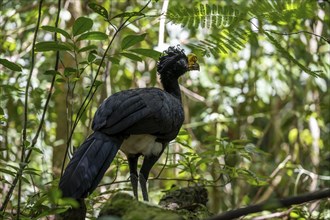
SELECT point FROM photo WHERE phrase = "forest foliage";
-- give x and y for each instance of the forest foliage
(257, 119)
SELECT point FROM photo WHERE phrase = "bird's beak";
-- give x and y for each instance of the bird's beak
(192, 62)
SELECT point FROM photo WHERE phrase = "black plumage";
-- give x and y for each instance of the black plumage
(137, 121)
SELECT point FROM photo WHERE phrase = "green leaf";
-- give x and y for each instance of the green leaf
(204, 15)
(147, 53)
(11, 166)
(294, 215)
(22, 164)
(31, 171)
(26, 143)
(93, 35)
(75, 79)
(68, 202)
(57, 30)
(89, 47)
(35, 149)
(10, 65)
(91, 56)
(2, 112)
(60, 80)
(130, 40)
(68, 71)
(293, 135)
(98, 83)
(51, 46)
(25, 180)
(128, 14)
(114, 60)
(81, 25)
(132, 56)
(97, 61)
(52, 72)
(99, 9)
(3, 170)
(84, 62)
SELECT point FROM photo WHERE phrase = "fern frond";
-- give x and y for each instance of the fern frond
(224, 42)
(205, 15)
(282, 11)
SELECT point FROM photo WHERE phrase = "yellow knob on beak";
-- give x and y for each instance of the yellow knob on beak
(192, 62)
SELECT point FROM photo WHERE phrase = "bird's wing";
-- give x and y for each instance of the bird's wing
(139, 111)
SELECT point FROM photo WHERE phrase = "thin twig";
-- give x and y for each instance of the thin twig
(116, 173)
(163, 167)
(276, 215)
(300, 169)
(22, 165)
(292, 33)
(114, 182)
(299, 32)
(269, 190)
(192, 94)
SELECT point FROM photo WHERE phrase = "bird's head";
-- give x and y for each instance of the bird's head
(175, 63)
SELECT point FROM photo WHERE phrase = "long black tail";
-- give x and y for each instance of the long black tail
(88, 165)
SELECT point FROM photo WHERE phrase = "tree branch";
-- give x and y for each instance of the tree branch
(273, 204)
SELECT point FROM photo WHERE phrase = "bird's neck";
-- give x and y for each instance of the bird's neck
(172, 86)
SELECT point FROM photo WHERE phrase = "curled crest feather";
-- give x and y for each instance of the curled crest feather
(169, 57)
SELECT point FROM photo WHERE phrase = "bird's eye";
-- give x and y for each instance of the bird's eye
(182, 63)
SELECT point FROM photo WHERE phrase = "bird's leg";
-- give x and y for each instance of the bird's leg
(143, 184)
(148, 163)
(132, 163)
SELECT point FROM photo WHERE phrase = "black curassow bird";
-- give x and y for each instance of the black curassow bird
(138, 122)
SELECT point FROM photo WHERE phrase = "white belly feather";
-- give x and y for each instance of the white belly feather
(144, 144)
